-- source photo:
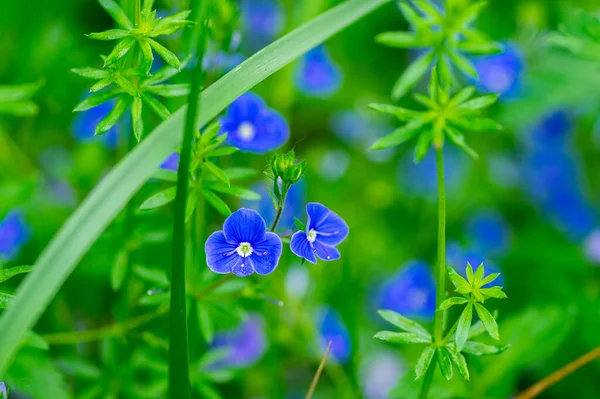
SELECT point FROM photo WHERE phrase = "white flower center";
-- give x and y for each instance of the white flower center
(244, 249)
(246, 131)
(312, 235)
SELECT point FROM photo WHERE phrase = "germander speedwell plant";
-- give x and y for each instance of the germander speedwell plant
(449, 113)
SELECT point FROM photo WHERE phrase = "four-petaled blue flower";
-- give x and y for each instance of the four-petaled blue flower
(244, 345)
(332, 328)
(411, 292)
(317, 75)
(243, 246)
(14, 233)
(252, 126)
(324, 230)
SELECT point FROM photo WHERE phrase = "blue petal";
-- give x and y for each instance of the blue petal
(330, 227)
(243, 269)
(326, 252)
(171, 162)
(266, 254)
(271, 131)
(246, 108)
(218, 253)
(300, 247)
(245, 225)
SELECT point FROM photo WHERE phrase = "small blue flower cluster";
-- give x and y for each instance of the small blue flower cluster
(14, 233)
(243, 346)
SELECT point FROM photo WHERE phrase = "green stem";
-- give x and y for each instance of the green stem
(280, 206)
(438, 329)
(138, 13)
(179, 375)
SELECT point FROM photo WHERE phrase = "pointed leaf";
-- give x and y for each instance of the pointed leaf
(479, 102)
(213, 200)
(221, 151)
(96, 99)
(5, 300)
(423, 145)
(119, 50)
(126, 85)
(412, 75)
(111, 34)
(116, 12)
(401, 338)
(147, 56)
(400, 40)
(469, 272)
(175, 90)
(239, 173)
(171, 24)
(156, 106)
(448, 303)
(137, 120)
(101, 84)
(165, 54)
(459, 140)
(119, 270)
(488, 321)
(404, 324)
(478, 275)
(113, 117)
(190, 205)
(489, 278)
(457, 279)
(479, 349)
(460, 362)
(159, 199)
(236, 191)
(400, 135)
(494, 292)
(424, 361)
(217, 172)
(90, 73)
(463, 326)
(476, 124)
(5, 274)
(463, 95)
(463, 64)
(444, 362)
(402, 114)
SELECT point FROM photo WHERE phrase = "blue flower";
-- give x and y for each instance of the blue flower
(592, 246)
(551, 132)
(262, 22)
(85, 123)
(244, 246)
(379, 373)
(221, 61)
(294, 202)
(243, 346)
(334, 165)
(171, 162)
(487, 232)
(500, 73)
(317, 75)
(324, 230)
(14, 233)
(331, 328)
(3, 392)
(251, 126)
(411, 292)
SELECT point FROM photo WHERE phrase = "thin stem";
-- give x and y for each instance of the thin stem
(438, 328)
(179, 375)
(280, 206)
(315, 380)
(427, 379)
(559, 374)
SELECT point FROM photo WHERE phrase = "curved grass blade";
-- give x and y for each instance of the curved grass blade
(82, 229)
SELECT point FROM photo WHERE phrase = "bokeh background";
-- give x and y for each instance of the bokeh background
(529, 207)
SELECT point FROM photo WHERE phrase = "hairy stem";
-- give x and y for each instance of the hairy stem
(559, 374)
(280, 206)
(179, 375)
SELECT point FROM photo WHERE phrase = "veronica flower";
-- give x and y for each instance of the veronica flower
(592, 246)
(171, 162)
(244, 246)
(14, 233)
(317, 75)
(410, 292)
(262, 22)
(85, 122)
(324, 230)
(331, 328)
(251, 126)
(294, 202)
(487, 232)
(379, 373)
(500, 73)
(243, 346)
(334, 165)
(297, 280)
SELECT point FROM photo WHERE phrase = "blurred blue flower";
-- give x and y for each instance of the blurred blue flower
(171, 162)
(410, 292)
(332, 328)
(500, 73)
(3, 392)
(317, 75)
(262, 22)
(334, 165)
(488, 232)
(504, 170)
(251, 126)
(59, 193)
(243, 246)
(324, 231)
(379, 373)
(221, 61)
(14, 233)
(297, 280)
(551, 132)
(592, 246)
(243, 346)
(457, 258)
(294, 203)
(55, 161)
(85, 123)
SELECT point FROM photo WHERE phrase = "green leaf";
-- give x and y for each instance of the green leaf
(171, 24)
(402, 114)
(175, 90)
(166, 55)
(463, 64)
(479, 102)
(493, 292)
(429, 10)
(476, 124)
(444, 362)
(217, 172)
(459, 140)
(5, 274)
(138, 121)
(399, 39)
(463, 95)
(423, 145)
(489, 278)
(150, 275)
(90, 73)
(96, 99)
(445, 70)
(479, 349)
(111, 34)
(458, 280)
(101, 84)
(165, 175)
(400, 135)
(216, 202)
(126, 85)
(479, 273)
(33, 340)
(206, 323)
(147, 56)
(190, 205)
(448, 303)
(488, 321)
(411, 15)
(299, 224)
(412, 74)
(460, 362)
(159, 199)
(86, 224)
(5, 300)
(113, 9)
(156, 106)
(236, 191)
(239, 173)
(463, 326)
(404, 324)
(119, 50)
(165, 73)
(469, 273)
(14, 93)
(119, 270)
(424, 361)
(221, 151)
(113, 117)
(401, 338)
(19, 108)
